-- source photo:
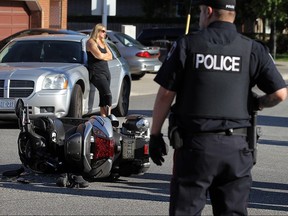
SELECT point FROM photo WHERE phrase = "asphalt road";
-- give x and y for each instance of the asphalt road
(147, 194)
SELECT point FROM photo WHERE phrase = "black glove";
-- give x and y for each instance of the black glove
(255, 104)
(157, 148)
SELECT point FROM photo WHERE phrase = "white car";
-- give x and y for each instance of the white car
(49, 73)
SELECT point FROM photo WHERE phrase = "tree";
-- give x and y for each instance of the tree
(272, 11)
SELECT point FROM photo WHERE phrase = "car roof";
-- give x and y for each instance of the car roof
(85, 31)
(65, 37)
(50, 31)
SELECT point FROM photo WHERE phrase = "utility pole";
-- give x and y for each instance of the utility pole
(188, 18)
(104, 12)
(103, 8)
(275, 30)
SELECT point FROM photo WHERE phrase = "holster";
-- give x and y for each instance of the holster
(253, 134)
(174, 133)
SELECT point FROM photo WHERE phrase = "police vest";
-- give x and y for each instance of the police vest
(216, 80)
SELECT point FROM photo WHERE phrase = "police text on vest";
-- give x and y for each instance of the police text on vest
(218, 62)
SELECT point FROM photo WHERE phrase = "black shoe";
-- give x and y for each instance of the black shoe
(78, 181)
(62, 181)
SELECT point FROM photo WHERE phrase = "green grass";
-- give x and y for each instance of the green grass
(282, 57)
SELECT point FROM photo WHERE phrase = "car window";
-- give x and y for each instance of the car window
(126, 40)
(61, 51)
(114, 50)
(21, 52)
(42, 51)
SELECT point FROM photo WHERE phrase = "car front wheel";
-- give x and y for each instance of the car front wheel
(123, 102)
(75, 109)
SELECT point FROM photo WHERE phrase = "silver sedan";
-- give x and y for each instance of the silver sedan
(49, 73)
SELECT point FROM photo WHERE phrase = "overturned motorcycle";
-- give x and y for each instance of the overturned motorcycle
(95, 147)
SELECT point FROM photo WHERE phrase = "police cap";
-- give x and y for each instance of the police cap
(217, 4)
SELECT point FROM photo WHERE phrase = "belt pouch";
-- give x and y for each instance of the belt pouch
(174, 135)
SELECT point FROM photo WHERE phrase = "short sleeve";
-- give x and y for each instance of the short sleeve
(169, 73)
(264, 71)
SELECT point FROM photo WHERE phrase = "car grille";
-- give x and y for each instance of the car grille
(17, 88)
(1, 88)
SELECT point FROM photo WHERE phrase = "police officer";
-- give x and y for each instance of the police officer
(210, 73)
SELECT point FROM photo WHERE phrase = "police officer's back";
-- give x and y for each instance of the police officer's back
(211, 73)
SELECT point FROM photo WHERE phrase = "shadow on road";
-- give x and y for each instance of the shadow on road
(9, 124)
(273, 121)
(273, 142)
(46, 183)
(266, 196)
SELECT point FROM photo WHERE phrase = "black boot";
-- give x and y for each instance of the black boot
(62, 180)
(78, 181)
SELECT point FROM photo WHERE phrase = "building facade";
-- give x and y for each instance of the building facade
(17, 15)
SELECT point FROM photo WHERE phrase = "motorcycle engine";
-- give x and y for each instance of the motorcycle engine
(136, 125)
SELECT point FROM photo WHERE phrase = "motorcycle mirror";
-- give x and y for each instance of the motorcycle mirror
(114, 120)
(19, 107)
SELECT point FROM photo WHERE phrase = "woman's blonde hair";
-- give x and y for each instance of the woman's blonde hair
(96, 31)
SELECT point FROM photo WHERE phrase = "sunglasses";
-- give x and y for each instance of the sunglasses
(103, 31)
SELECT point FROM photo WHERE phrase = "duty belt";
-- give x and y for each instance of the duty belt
(228, 132)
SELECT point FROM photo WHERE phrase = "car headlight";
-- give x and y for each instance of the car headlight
(55, 81)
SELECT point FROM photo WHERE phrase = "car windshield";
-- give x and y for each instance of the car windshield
(42, 51)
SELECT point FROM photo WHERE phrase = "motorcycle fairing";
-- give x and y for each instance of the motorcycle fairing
(101, 168)
(102, 124)
(87, 146)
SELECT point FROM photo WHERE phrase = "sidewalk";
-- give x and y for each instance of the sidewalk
(283, 68)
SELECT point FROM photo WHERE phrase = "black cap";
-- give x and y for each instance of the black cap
(217, 4)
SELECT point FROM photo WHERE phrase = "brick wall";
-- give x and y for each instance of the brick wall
(64, 14)
(46, 14)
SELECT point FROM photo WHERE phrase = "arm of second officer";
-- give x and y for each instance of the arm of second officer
(273, 99)
(157, 146)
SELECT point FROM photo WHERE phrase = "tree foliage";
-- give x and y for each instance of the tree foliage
(272, 12)
(267, 9)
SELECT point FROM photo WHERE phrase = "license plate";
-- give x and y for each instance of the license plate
(128, 149)
(7, 104)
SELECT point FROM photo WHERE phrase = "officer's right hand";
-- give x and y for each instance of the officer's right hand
(255, 102)
(157, 149)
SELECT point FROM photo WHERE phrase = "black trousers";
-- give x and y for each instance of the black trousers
(103, 86)
(216, 164)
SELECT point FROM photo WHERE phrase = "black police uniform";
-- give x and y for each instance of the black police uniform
(213, 71)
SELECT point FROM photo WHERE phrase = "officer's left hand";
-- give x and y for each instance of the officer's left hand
(157, 149)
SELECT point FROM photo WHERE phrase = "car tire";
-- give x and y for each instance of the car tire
(138, 76)
(123, 103)
(76, 102)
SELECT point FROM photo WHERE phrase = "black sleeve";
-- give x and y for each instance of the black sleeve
(169, 73)
(264, 71)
